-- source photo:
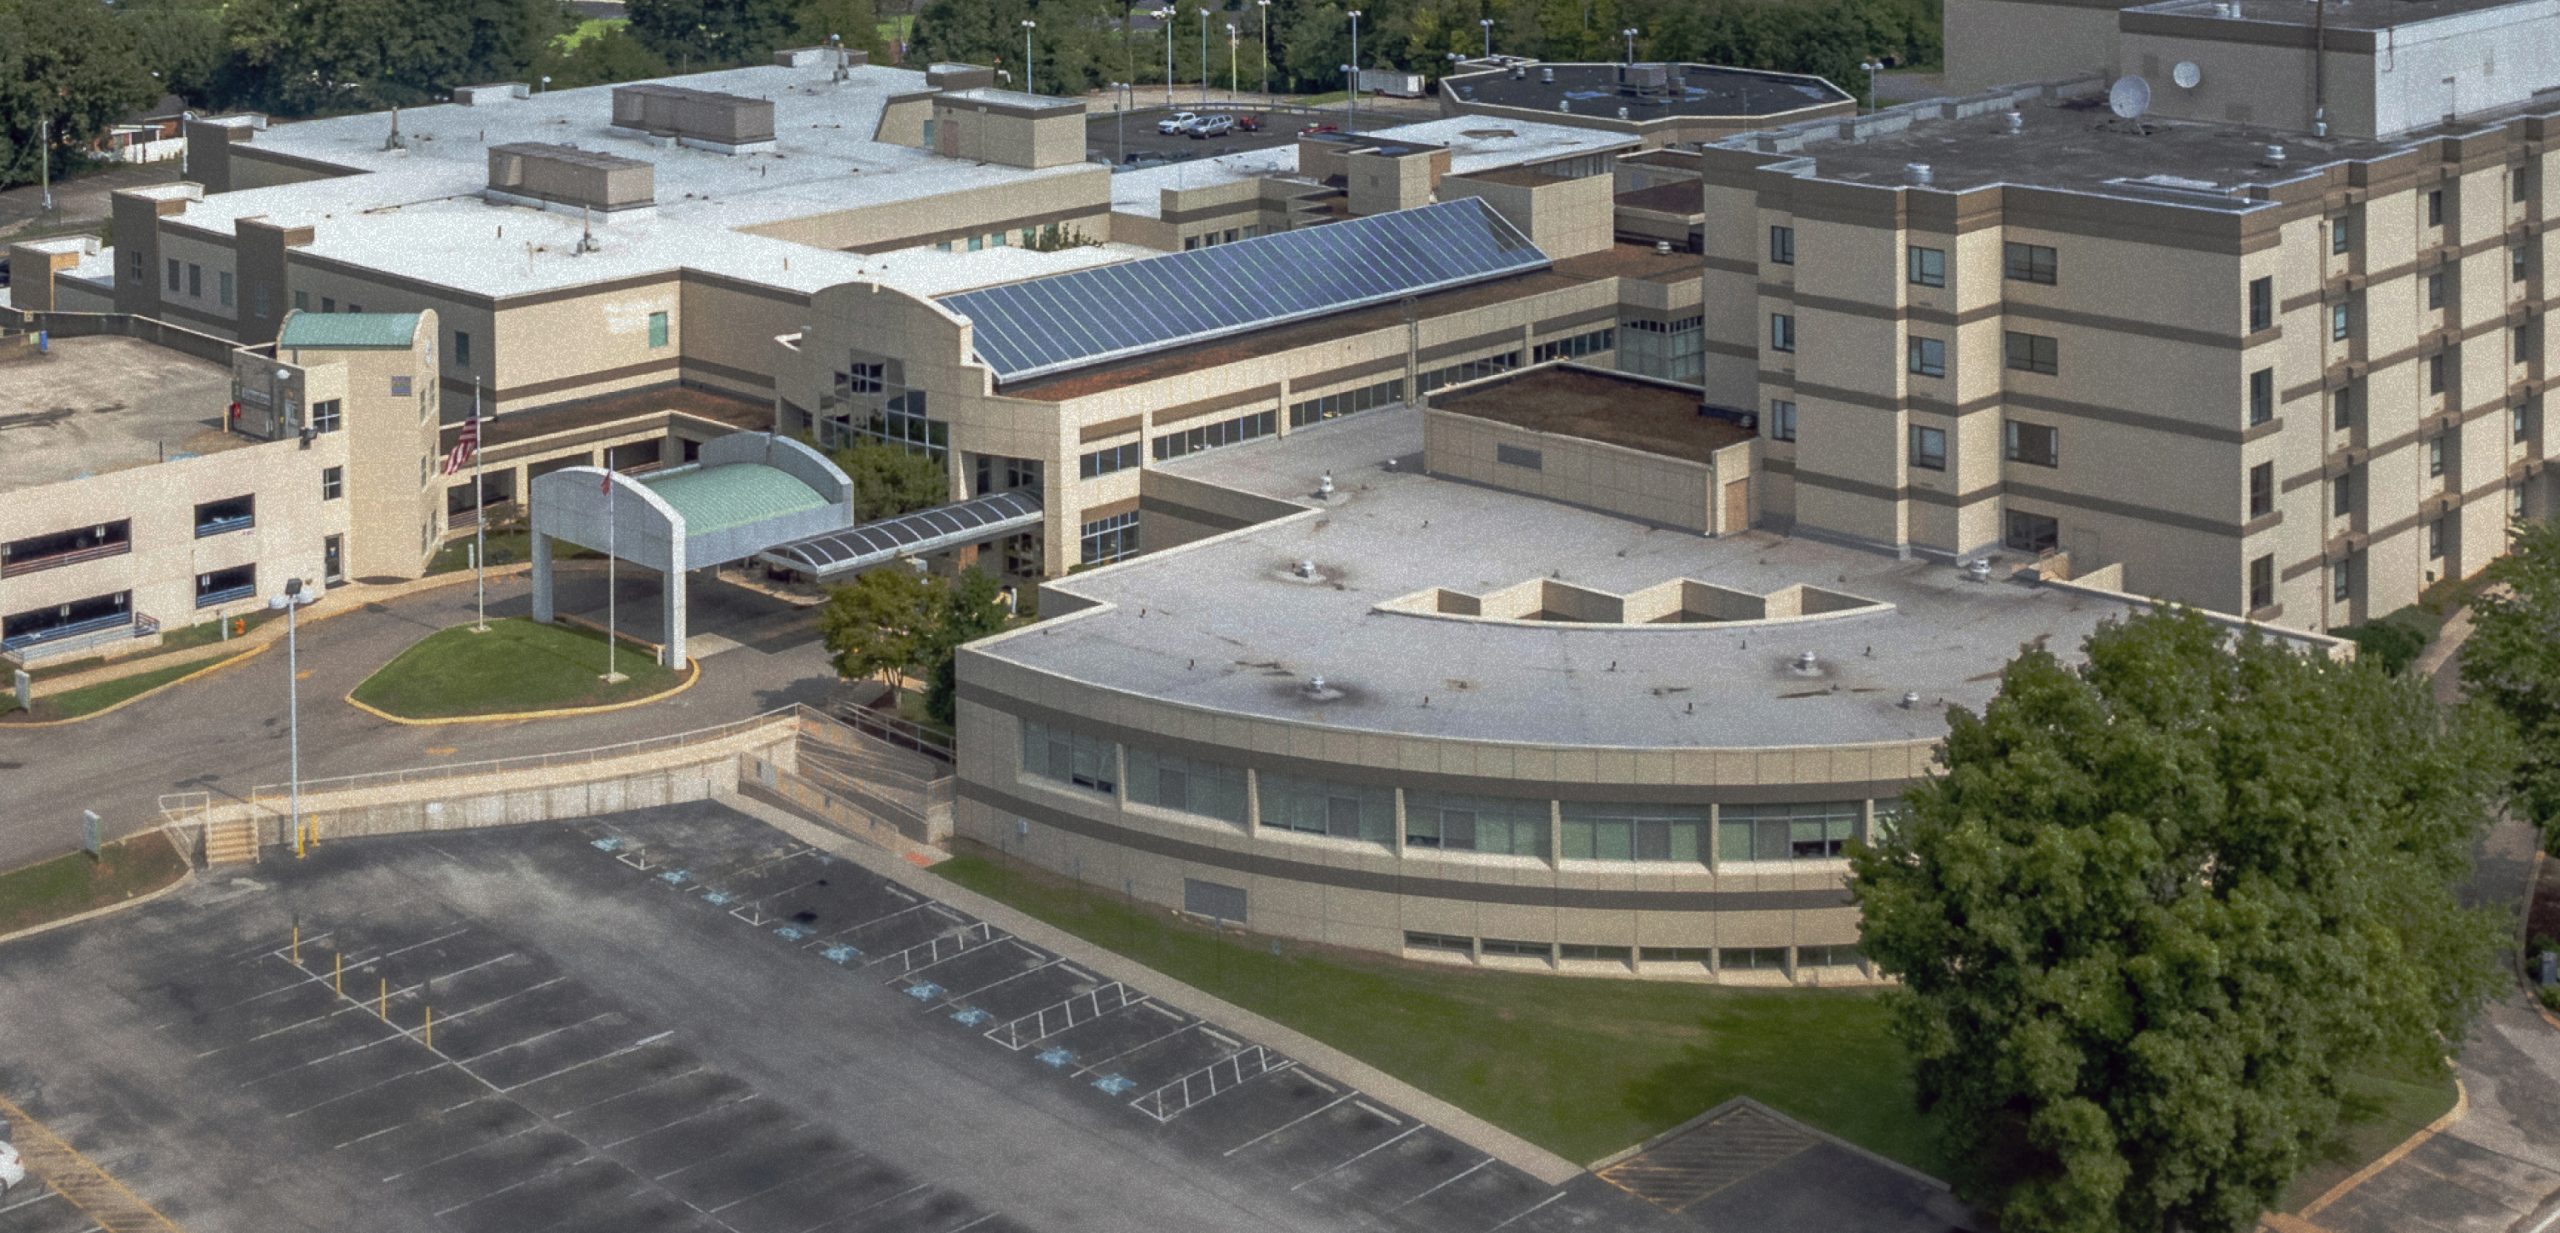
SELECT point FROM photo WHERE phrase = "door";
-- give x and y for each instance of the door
(332, 561)
(1737, 507)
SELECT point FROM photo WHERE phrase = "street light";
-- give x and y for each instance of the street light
(1121, 90)
(1487, 23)
(1028, 26)
(1630, 35)
(1204, 57)
(1871, 68)
(292, 601)
(1164, 17)
(546, 83)
(1231, 61)
(1351, 77)
(1265, 6)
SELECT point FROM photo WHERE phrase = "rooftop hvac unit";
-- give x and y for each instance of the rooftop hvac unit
(1547, 76)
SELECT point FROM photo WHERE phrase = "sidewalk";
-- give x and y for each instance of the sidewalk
(1466, 1127)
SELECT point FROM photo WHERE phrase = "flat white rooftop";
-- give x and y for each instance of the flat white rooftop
(1475, 143)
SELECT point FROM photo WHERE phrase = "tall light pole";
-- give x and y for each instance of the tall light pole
(1487, 23)
(1121, 91)
(1630, 35)
(1351, 77)
(1164, 16)
(292, 601)
(1871, 68)
(44, 159)
(1231, 61)
(1028, 26)
(1265, 6)
(1204, 56)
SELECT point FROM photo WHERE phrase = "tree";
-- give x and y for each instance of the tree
(307, 57)
(973, 608)
(2156, 906)
(856, 21)
(704, 34)
(878, 624)
(70, 66)
(601, 58)
(2512, 661)
(889, 481)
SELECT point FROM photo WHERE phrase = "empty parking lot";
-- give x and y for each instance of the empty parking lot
(679, 1020)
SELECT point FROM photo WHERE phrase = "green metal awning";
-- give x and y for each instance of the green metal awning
(309, 331)
(718, 498)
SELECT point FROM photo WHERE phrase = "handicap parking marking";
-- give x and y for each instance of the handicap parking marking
(925, 991)
(718, 899)
(972, 1017)
(610, 843)
(841, 953)
(1116, 1084)
(1057, 1057)
(676, 877)
(791, 933)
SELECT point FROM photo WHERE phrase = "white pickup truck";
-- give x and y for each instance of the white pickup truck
(11, 1172)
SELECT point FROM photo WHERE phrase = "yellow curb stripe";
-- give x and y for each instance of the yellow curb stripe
(110, 709)
(78, 1179)
(2461, 1106)
(693, 673)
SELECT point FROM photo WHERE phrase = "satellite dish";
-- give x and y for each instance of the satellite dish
(2186, 74)
(2129, 97)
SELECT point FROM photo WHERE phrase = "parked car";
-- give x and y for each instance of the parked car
(1176, 122)
(11, 1172)
(1248, 124)
(1313, 129)
(1210, 126)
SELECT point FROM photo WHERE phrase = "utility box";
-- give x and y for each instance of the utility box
(2546, 970)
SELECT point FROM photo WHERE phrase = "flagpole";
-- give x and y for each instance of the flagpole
(479, 502)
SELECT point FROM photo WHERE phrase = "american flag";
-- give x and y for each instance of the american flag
(465, 447)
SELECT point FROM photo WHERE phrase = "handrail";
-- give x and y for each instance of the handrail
(11, 567)
(575, 757)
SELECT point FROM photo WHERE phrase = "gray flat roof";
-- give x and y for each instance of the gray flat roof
(1593, 90)
(95, 405)
(1227, 627)
(2340, 14)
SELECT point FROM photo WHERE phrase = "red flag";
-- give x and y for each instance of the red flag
(465, 448)
(607, 489)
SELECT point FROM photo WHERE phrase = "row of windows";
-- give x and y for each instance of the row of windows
(1673, 350)
(1108, 459)
(1729, 958)
(1346, 402)
(1200, 437)
(1574, 347)
(1470, 370)
(1451, 822)
(1927, 267)
(2434, 203)
(2035, 444)
(1108, 539)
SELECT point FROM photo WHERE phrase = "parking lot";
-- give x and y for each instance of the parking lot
(1107, 141)
(679, 1020)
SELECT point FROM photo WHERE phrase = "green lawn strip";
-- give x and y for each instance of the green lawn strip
(1581, 1067)
(517, 666)
(592, 27)
(90, 699)
(69, 885)
(1587, 1067)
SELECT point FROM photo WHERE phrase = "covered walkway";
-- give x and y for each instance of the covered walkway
(979, 520)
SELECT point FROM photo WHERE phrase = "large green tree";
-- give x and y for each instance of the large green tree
(72, 66)
(703, 34)
(304, 57)
(893, 622)
(889, 480)
(2512, 660)
(2156, 905)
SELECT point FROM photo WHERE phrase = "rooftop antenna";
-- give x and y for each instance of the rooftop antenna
(2129, 97)
(587, 233)
(393, 141)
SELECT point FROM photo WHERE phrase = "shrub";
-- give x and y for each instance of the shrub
(2550, 997)
(2391, 643)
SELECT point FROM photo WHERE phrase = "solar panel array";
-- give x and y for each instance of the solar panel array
(1063, 321)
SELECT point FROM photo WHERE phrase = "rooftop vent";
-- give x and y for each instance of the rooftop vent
(1920, 173)
(1978, 569)
(1807, 663)
(2015, 122)
(1644, 79)
(1519, 72)
(1547, 76)
(1324, 485)
(1662, 247)
(2275, 155)
(1315, 685)
(729, 123)
(1305, 568)
(1910, 699)
(1622, 113)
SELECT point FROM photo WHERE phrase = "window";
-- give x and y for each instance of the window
(1818, 830)
(2342, 235)
(2262, 396)
(2342, 579)
(2435, 207)
(1210, 436)
(1782, 245)
(1633, 832)
(1782, 419)
(1337, 405)
(133, 267)
(2033, 353)
(2341, 323)
(1927, 357)
(175, 269)
(1782, 332)
(328, 304)
(2521, 345)
(2520, 423)
(1520, 456)
(2040, 444)
(2519, 262)
(222, 517)
(423, 471)
(2342, 495)
(264, 306)
(1187, 785)
(2435, 454)
(2435, 538)
(1829, 957)
(1109, 539)
(223, 288)
(195, 281)
(978, 243)
(2342, 407)
(657, 329)
(2515, 502)
(1672, 350)
(2262, 583)
(2435, 289)
(2520, 183)
(1928, 267)
(1321, 807)
(400, 386)
(2262, 490)
(326, 416)
(461, 348)
(1468, 370)
(355, 308)
(1069, 757)
(302, 301)
(222, 586)
(1502, 825)
(1524, 950)
(1108, 459)
(2435, 373)
(1414, 940)
(2028, 263)
(333, 483)
(2027, 532)
(2262, 303)
(1929, 448)
(1605, 954)
(1575, 347)
(1752, 958)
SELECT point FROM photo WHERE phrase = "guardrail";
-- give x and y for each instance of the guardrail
(79, 636)
(11, 567)
(576, 757)
(897, 730)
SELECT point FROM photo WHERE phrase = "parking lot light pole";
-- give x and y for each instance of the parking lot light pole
(1164, 16)
(1629, 34)
(1487, 23)
(292, 601)
(1204, 57)
(1122, 91)
(1231, 62)
(1351, 77)
(1871, 68)
(1265, 6)
(1028, 26)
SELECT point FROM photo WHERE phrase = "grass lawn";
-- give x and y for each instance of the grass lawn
(70, 885)
(590, 28)
(1587, 1067)
(516, 666)
(90, 699)
(895, 28)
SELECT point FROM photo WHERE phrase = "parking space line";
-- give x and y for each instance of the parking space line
(793, 1180)
(886, 916)
(883, 1201)
(1409, 1130)
(533, 988)
(642, 1043)
(1098, 1063)
(517, 1184)
(515, 1044)
(565, 1114)
(423, 1166)
(1527, 1212)
(725, 1152)
(394, 1034)
(713, 1107)
(361, 1091)
(1436, 1189)
(1291, 1122)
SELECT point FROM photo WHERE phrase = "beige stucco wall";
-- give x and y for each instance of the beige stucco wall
(2002, 42)
(1673, 492)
